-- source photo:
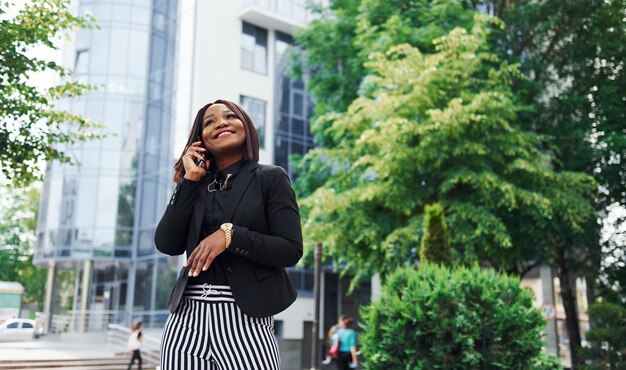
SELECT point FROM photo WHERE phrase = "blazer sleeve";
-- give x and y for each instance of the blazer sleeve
(282, 245)
(170, 235)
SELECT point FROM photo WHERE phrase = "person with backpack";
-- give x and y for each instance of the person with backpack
(332, 336)
(347, 357)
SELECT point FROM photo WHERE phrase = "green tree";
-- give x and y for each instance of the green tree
(571, 51)
(574, 51)
(435, 244)
(330, 53)
(439, 127)
(459, 318)
(339, 42)
(18, 220)
(32, 129)
(607, 337)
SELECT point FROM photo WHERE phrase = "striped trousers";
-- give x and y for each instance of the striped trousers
(209, 332)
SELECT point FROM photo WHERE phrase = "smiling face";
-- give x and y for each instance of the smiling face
(222, 131)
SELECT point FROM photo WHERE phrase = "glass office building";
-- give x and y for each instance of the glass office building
(97, 220)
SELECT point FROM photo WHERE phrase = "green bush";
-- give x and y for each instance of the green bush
(460, 318)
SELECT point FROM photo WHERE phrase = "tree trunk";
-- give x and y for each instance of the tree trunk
(568, 296)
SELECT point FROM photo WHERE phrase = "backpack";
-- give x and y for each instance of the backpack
(334, 345)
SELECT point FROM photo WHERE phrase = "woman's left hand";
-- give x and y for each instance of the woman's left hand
(204, 254)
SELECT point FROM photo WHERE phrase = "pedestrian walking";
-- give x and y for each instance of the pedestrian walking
(347, 346)
(239, 223)
(134, 344)
(332, 331)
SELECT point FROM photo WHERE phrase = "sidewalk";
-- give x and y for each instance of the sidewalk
(59, 346)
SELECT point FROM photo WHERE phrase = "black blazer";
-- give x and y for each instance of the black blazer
(267, 235)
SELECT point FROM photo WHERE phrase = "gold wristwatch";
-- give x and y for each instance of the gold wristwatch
(228, 232)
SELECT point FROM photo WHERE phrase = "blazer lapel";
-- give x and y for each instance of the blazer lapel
(239, 188)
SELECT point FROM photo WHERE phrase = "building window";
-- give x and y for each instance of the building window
(256, 110)
(81, 62)
(254, 48)
(292, 136)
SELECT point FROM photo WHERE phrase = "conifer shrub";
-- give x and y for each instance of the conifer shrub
(435, 244)
(453, 318)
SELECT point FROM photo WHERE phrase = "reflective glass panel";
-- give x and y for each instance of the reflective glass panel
(118, 53)
(143, 286)
(256, 110)
(146, 243)
(166, 277)
(108, 188)
(104, 238)
(86, 201)
(254, 48)
(81, 63)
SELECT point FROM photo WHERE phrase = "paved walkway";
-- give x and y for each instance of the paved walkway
(59, 346)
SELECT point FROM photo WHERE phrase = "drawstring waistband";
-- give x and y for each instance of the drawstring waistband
(209, 293)
(208, 289)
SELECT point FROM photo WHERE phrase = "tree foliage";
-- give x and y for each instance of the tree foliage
(435, 244)
(572, 53)
(338, 43)
(32, 129)
(607, 337)
(438, 127)
(575, 52)
(572, 50)
(18, 220)
(460, 318)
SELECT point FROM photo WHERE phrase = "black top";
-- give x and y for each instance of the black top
(266, 234)
(214, 216)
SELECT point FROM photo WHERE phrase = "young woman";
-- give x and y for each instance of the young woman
(238, 222)
(347, 346)
(134, 344)
(333, 334)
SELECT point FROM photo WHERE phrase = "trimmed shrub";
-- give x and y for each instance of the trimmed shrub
(460, 318)
(435, 244)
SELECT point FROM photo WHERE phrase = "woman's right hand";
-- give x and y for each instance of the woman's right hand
(194, 153)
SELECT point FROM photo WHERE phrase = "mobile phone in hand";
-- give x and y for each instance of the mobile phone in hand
(207, 155)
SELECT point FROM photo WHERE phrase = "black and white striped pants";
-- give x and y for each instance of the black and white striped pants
(209, 332)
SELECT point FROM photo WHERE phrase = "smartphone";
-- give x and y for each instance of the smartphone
(207, 155)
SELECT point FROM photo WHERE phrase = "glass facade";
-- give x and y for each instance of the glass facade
(88, 210)
(292, 110)
(151, 271)
(104, 211)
